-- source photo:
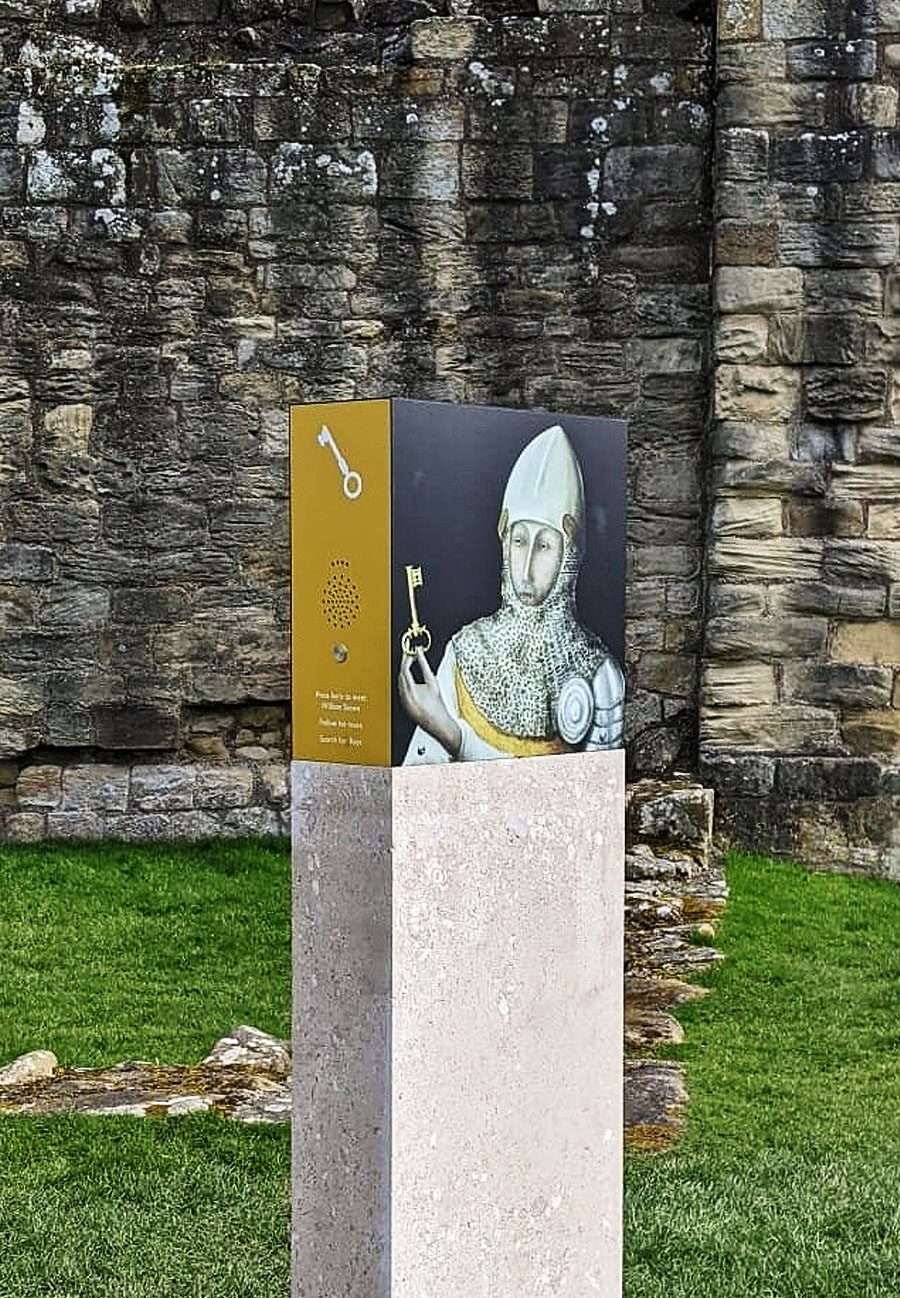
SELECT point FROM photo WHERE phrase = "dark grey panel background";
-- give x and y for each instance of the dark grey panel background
(450, 465)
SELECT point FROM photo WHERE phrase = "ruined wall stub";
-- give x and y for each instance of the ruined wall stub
(209, 211)
(800, 722)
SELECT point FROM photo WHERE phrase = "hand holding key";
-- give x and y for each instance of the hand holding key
(422, 700)
(352, 482)
(417, 635)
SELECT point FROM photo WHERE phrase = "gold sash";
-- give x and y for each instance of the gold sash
(498, 739)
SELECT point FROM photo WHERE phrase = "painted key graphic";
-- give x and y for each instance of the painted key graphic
(352, 482)
(416, 636)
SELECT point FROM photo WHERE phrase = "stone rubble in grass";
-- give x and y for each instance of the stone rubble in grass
(251, 1048)
(33, 1067)
(674, 895)
(246, 1076)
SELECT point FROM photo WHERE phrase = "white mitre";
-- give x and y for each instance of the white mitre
(545, 483)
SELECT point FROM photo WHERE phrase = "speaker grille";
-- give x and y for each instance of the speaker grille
(340, 596)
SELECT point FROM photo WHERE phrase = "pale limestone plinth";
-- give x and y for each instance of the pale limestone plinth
(458, 1029)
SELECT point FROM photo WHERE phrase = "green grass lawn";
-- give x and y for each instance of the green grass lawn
(785, 1185)
(113, 952)
(787, 1181)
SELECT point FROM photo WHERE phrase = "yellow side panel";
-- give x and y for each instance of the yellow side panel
(340, 582)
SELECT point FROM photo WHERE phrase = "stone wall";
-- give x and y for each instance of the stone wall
(800, 724)
(210, 210)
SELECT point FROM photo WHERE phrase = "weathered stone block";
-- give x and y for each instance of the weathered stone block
(828, 600)
(878, 445)
(217, 121)
(743, 516)
(732, 684)
(428, 172)
(828, 778)
(20, 698)
(25, 827)
(742, 339)
(90, 790)
(751, 63)
(666, 561)
(874, 105)
(883, 341)
(496, 173)
(757, 393)
(884, 521)
(68, 428)
(874, 733)
(223, 788)
(31, 563)
(252, 822)
(76, 607)
(838, 685)
(195, 824)
(782, 728)
(845, 395)
(819, 159)
(228, 175)
(794, 19)
(746, 243)
(162, 788)
(39, 786)
(660, 171)
(739, 20)
(744, 155)
(446, 40)
(830, 60)
(861, 563)
(751, 441)
(887, 15)
(673, 478)
(668, 673)
(875, 643)
(771, 104)
(668, 815)
(96, 177)
(824, 518)
(767, 637)
(735, 599)
(758, 290)
(834, 340)
(274, 777)
(135, 726)
(772, 560)
(139, 826)
(873, 243)
(749, 775)
(866, 481)
(840, 290)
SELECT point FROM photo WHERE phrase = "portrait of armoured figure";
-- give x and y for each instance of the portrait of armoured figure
(530, 678)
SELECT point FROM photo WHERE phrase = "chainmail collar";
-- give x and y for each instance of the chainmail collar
(515, 661)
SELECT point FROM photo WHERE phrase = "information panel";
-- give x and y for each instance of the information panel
(457, 582)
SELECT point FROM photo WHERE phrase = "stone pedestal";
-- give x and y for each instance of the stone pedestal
(458, 1029)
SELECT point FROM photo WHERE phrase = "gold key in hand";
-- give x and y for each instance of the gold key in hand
(416, 636)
